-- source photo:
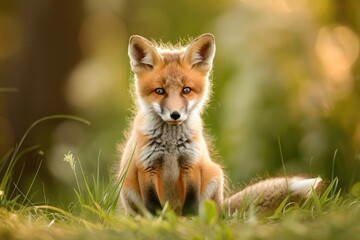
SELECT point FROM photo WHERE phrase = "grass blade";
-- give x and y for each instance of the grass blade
(278, 211)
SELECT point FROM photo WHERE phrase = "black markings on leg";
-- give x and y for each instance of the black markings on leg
(152, 202)
(191, 204)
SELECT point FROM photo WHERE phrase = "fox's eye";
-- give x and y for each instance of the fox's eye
(186, 90)
(160, 91)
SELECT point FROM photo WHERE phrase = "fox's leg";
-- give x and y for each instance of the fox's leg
(150, 185)
(130, 192)
(212, 183)
(191, 182)
(140, 191)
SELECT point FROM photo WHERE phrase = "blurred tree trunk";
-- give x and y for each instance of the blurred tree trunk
(50, 50)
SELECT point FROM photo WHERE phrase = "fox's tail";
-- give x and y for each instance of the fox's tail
(268, 194)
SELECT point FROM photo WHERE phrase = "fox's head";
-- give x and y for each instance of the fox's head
(172, 82)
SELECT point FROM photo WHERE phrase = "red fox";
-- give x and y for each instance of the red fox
(166, 157)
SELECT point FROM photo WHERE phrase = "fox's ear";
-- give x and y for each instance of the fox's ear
(200, 53)
(143, 55)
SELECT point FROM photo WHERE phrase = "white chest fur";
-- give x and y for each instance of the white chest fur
(168, 143)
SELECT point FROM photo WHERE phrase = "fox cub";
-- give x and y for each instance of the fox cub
(166, 157)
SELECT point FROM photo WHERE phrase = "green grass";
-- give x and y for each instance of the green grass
(55, 223)
(93, 215)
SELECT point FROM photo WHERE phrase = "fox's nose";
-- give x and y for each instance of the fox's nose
(175, 115)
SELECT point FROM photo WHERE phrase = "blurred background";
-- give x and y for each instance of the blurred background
(286, 84)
